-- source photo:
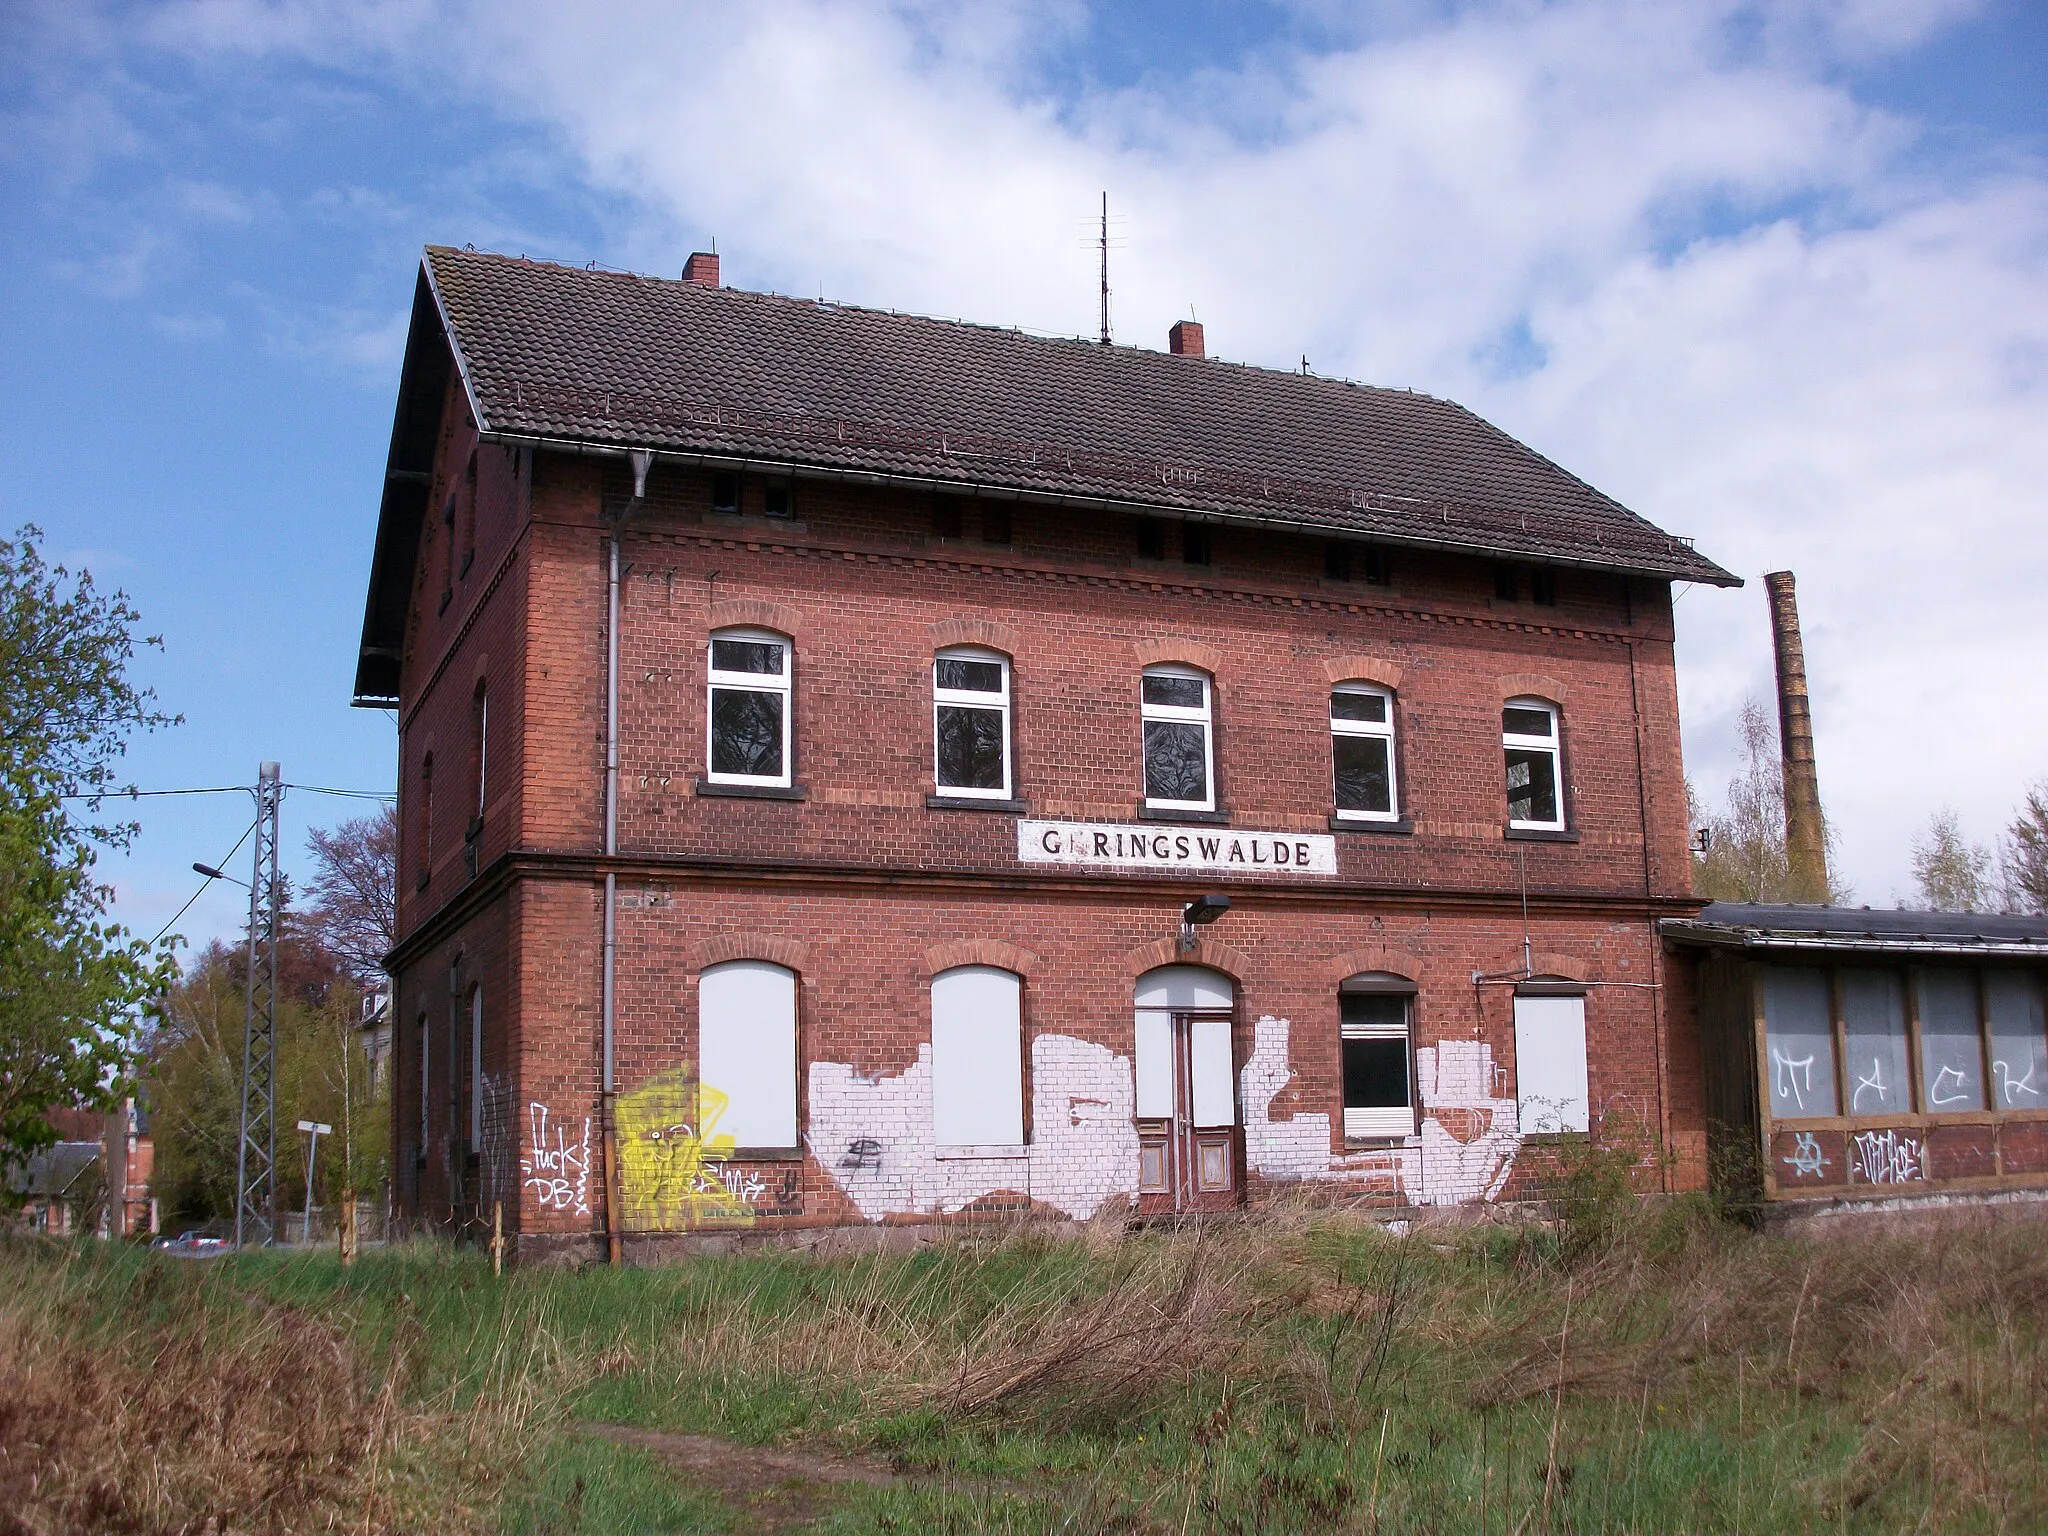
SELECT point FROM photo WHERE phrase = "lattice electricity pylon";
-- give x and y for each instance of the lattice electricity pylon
(256, 1164)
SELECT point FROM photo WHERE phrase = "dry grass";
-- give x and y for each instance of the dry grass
(152, 1397)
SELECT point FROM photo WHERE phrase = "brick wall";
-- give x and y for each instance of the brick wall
(864, 880)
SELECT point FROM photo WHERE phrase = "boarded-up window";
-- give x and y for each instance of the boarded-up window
(1799, 1041)
(1550, 1063)
(746, 1054)
(1874, 1033)
(2019, 1054)
(977, 1057)
(1951, 1044)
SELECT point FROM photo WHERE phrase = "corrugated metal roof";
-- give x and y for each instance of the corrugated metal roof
(1791, 926)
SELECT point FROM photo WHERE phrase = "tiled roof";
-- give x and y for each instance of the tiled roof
(611, 358)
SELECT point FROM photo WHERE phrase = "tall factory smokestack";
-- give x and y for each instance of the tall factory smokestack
(1805, 840)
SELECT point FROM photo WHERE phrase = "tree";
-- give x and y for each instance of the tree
(2024, 858)
(355, 891)
(70, 981)
(1745, 858)
(1953, 873)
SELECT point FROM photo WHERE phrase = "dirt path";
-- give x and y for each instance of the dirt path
(785, 1489)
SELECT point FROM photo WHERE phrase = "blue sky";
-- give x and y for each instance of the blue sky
(1773, 275)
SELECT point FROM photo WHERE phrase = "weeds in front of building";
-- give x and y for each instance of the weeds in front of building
(1614, 1368)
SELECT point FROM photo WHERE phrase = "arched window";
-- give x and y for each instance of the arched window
(1362, 752)
(747, 708)
(480, 738)
(476, 1068)
(1531, 737)
(1376, 1019)
(423, 827)
(978, 1058)
(746, 1054)
(971, 723)
(1176, 705)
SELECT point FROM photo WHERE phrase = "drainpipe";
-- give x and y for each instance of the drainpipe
(643, 459)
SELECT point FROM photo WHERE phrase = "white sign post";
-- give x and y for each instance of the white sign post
(312, 1151)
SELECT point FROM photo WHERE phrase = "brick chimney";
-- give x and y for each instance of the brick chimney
(1185, 339)
(1805, 833)
(702, 268)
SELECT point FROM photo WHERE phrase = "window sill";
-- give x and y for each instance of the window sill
(1199, 818)
(1539, 835)
(1401, 827)
(753, 791)
(972, 803)
(945, 1154)
(1377, 1143)
(763, 1155)
(1556, 1138)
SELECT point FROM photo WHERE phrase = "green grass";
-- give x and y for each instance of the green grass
(1288, 1373)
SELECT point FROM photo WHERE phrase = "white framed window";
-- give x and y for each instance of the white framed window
(746, 1054)
(747, 708)
(1179, 726)
(971, 723)
(1362, 752)
(1550, 1063)
(978, 1059)
(1375, 1015)
(1529, 736)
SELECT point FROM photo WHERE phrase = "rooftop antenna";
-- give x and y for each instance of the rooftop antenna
(1105, 268)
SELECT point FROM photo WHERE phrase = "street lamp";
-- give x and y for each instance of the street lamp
(213, 874)
(1201, 911)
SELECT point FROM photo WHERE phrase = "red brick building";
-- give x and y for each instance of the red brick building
(815, 720)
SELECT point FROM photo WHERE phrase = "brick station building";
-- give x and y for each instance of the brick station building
(814, 722)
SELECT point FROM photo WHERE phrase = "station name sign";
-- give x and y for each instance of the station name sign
(1100, 845)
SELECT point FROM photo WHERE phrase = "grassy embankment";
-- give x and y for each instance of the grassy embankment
(1288, 1373)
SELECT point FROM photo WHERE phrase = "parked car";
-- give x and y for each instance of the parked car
(199, 1242)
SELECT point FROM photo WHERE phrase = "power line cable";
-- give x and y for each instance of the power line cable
(346, 794)
(218, 863)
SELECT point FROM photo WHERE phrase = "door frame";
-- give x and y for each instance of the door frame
(1184, 1168)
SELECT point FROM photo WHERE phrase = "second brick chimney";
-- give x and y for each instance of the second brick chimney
(1185, 339)
(702, 268)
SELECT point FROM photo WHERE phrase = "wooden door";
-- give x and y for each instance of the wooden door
(1189, 1159)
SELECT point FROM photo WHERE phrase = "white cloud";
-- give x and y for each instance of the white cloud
(1752, 321)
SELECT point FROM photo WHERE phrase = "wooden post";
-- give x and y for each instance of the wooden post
(497, 1237)
(345, 1227)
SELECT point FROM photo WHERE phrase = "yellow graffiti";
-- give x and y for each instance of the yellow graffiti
(672, 1160)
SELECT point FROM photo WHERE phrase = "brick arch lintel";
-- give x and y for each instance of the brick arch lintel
(986, 633)
(1216, 956)
(995, 952)
(1542, 964)
(1533, 685)
(1363, 669)
(1188, 653)
(756, 613)
(716, 950)
(1374, 957)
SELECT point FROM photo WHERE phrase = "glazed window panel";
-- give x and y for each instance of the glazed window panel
(1377, 1064)
(1529, 740)
(1799, 1042)
(749, 708)
(1875, 1076)
(971, 724)
(2019, 1040)
(1951, 1042)
(1175, 704)
(1362, 749)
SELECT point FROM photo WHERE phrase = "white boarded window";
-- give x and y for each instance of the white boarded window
(1550, 1064)
(978, 1057)
(746, 1054)
(1161, 994)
